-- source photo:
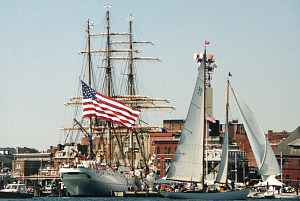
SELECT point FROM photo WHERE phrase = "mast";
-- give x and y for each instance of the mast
(108, 77)
(208, 68)
(131, 96)
(227, 101)
(226, 124)
(130, 82)
(204, 112)
(90, 135)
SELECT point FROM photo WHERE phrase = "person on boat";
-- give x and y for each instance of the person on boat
(193, 186)
(232, 185)
(205, 188)
(222, 188)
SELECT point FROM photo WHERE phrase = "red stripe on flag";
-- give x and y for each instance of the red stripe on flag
(110, 110)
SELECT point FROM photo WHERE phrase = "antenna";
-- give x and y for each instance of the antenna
(107, 6)
(130, 17)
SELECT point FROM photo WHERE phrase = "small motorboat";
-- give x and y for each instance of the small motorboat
(15, 191)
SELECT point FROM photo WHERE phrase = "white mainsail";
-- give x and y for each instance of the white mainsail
(263, 153)
(187, 164)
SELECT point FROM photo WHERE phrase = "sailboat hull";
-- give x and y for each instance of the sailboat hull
(227, 195)
(90, 182)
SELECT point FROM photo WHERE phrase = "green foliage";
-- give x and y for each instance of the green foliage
(27, 150)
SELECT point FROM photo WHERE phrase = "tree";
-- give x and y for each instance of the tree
(27, 150)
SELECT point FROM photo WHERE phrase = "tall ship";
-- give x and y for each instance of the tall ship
(113, 154)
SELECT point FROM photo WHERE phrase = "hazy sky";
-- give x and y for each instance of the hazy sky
(257, 41)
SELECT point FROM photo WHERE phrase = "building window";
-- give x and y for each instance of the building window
(18, 166)
(158, 150)
(167, 150)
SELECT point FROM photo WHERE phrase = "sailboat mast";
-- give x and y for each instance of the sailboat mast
(227, 101)
(226, 122)
(204, 112)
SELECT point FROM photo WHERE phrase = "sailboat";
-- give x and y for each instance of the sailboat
(268, 166)
(112, 166)
(188, 163)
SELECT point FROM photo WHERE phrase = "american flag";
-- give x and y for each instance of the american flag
(99, 105)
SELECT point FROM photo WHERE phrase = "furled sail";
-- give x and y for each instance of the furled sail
(187, 164)
(263, 153)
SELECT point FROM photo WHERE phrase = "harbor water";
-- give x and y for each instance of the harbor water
(112, 199)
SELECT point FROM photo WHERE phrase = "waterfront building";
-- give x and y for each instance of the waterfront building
(34, 169)
(288, 155)
(6, 158)
(275, 138)
(164, 143)
(160, 146)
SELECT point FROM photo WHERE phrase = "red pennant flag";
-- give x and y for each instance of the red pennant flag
(206, 42)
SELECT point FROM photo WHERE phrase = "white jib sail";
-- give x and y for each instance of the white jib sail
(263, 153)
(187, 164)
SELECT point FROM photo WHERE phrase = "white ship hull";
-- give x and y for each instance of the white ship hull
(227, 195)
(90, 182)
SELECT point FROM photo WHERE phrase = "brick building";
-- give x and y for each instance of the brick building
(275, 138)
(288, 154)
(29, 163)
(163, 145)
(287, 143)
